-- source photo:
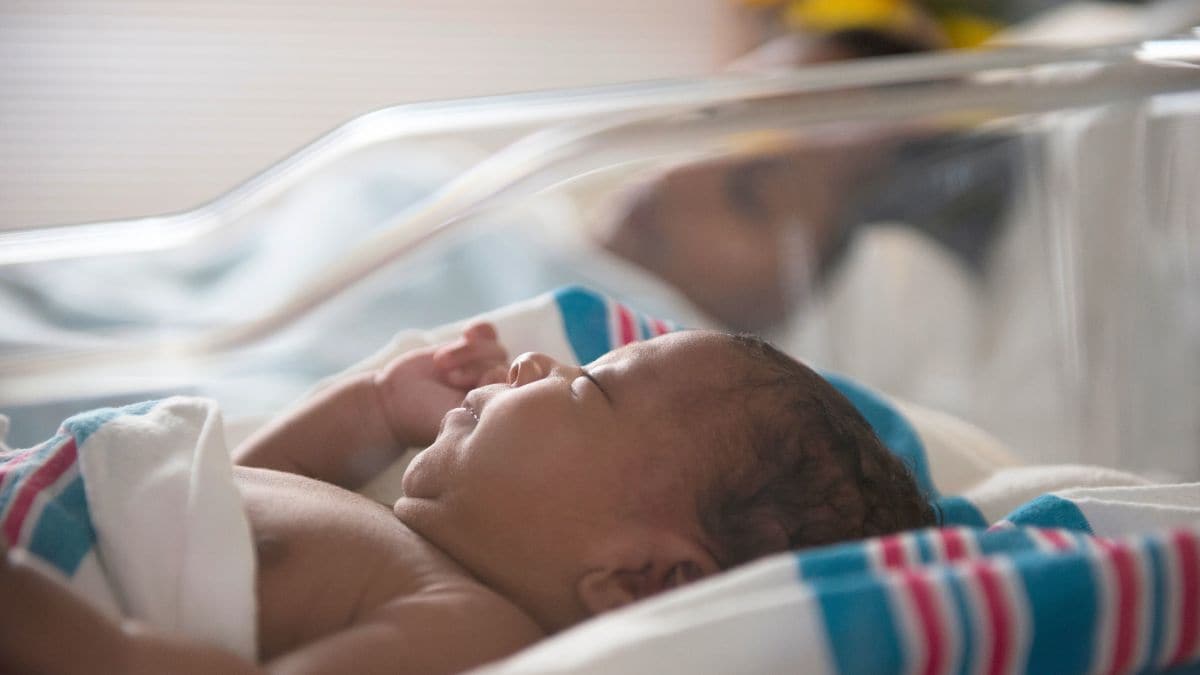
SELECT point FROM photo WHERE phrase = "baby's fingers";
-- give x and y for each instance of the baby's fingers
(477, 344)
(497, 374)
(480, 332)
(464, 362)
(476, 374)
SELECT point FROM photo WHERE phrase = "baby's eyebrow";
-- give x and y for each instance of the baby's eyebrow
(598, 385)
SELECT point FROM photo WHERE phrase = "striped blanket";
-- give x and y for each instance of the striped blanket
(950, 600)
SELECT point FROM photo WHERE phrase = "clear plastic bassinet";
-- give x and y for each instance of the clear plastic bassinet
(1012, 237)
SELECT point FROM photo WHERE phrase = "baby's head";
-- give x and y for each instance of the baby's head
(576, 490)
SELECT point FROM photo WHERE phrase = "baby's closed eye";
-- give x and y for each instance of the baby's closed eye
(592, 379)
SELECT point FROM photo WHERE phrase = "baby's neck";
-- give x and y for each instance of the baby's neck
(533, 585)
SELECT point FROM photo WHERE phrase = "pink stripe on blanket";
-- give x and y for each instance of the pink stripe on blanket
(893, 551)
(998, 614)
(952, 544)
(1126, 605)
(921, 593)
(1057, 539)
(625, 324)
(1185, 546)
(44, 476)
(14, 460)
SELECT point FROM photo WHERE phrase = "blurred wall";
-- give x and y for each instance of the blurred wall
(120, 108)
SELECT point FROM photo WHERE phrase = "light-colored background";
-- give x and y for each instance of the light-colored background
(118, 108)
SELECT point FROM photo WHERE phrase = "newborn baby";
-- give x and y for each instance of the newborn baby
(549, 494)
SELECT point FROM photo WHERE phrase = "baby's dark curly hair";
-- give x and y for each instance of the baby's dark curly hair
(817, 473)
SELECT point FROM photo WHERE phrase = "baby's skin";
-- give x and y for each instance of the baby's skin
(549, 493)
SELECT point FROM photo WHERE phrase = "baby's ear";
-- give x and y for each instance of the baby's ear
(606, 589)
(642, 571)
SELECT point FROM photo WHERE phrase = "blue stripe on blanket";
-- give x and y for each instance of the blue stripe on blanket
(1050, 511)
(86, 423)
(1007, 540)
(1158, 604)
(585, 321)
(63, 534)
(1061, 591)
(829, 561)
(895, 431)
(925, 551)
(857, 609)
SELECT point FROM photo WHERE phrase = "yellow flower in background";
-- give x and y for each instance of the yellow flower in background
(834, 15)
(937, 23)
(965, 31)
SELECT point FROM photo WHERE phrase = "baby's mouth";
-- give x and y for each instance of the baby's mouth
(473, 403)
(453, 413)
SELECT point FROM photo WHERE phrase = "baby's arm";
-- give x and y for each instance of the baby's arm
(350, 431)
(45, 628)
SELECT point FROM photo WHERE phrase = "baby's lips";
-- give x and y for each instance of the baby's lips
(476, 400)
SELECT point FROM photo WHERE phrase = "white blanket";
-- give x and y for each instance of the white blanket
(136, 510)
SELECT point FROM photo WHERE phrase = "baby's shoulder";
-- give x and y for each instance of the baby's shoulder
(452, 619)
(447, 624)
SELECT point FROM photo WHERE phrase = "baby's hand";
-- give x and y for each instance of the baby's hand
(419, 387)
(473, 360)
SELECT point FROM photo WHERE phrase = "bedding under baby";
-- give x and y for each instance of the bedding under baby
(136, 510)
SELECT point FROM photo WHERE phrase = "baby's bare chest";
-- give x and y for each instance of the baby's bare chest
(327, 557)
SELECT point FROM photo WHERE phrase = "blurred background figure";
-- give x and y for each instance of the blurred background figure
(748, 236)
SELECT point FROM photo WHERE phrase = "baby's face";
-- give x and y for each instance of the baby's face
(562, 449)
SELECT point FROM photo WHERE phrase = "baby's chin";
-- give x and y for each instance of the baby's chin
(413, 483)
(423, 477)
(421, 486)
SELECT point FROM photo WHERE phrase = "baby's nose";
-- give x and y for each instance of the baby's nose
(529, 367)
